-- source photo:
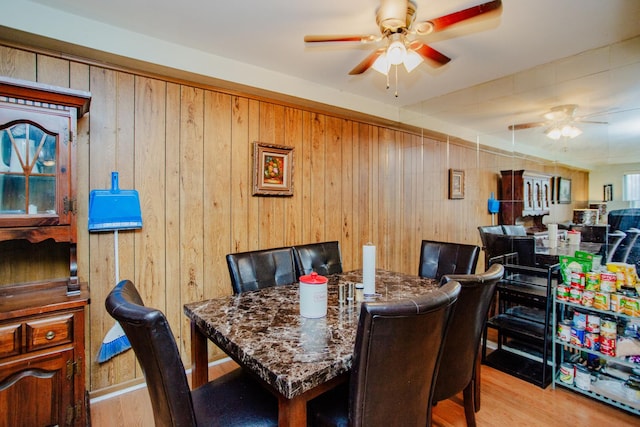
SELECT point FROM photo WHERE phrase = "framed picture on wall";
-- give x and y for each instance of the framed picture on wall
(272, 170)
(456, 184)
(553, 197)
(564, 190)
(607, 193)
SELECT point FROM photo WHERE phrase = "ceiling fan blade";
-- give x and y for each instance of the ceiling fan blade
(362, 38)
(592, 122)
(527, 125)
(439, 24)
(430, 54)
(367, 62)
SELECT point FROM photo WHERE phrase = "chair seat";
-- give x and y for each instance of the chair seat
(234, 399)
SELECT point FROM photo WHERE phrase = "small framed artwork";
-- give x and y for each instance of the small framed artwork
(272, 170)
(564, 190)
(607, 193)
(456, 184)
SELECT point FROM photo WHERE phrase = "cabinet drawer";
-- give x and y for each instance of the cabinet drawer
(10, 340)
(49, 332)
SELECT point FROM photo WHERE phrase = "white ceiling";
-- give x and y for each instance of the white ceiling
(510, 69)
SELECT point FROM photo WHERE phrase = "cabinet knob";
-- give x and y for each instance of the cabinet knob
(50, 335)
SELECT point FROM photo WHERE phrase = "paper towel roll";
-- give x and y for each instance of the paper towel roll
(552, 230)
(369, 269)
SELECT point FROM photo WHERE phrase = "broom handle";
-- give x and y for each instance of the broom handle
(115, 250)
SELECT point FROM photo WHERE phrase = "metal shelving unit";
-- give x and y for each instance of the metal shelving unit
(607, 389)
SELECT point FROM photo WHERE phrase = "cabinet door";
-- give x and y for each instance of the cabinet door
(35, 166)
(37, 391)
(529, 194)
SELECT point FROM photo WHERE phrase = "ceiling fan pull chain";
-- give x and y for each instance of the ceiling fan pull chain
(388, 85)
(396, 94)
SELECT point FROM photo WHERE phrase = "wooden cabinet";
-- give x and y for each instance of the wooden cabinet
(42, 312)
(37, 164)
(42, 380)
(524, 194)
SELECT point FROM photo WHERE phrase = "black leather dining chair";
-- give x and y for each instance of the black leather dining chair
(233, 399)
(253, 270)
(440, 258)
(613, 241)
(395, 360)
(524, 246)
(324, 258)
(623, 252)
(459, 367)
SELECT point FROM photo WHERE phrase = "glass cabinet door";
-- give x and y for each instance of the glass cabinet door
(34, 167)
(27, 170)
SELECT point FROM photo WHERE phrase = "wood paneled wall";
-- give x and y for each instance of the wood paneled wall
(187, 149)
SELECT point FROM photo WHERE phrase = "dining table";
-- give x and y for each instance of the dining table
(297, 358)
(549, 256)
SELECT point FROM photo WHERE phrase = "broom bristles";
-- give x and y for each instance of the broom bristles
(114, 343)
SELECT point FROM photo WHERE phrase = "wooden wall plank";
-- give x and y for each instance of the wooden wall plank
(18, 64)
(217, 185)
(241, 171)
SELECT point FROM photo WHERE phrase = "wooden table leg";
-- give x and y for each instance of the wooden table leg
(292, 412)
(199, 358)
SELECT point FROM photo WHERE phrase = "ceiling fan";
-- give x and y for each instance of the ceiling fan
(396, 20)
(560, 122)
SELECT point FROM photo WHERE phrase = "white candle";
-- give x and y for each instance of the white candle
(369, 268)
(553, 235)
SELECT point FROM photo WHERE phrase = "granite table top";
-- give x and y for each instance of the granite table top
(264, 332)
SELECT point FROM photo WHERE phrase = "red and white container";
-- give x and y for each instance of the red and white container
(313, 296)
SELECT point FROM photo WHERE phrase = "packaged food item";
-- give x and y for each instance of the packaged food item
(592, 281)
(567, 373)
(575, 295)
(608, 282)
(593, 323)
(617, 302)
(631, 306)
(577, 336)
(587, 298)
(580, 319)
(562, 292)
(564, 330)
(602, 301)
(569, 264)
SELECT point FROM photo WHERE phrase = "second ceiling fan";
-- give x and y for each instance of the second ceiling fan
(396, 21)
(560, 122)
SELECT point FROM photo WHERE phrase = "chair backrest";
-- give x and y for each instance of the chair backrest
(460, 348)
(323, 258)
(629, 243)
(396, 357)
(524, 246)
(440, 258)
(488, 229)
(613, 241)
(253, 270)
(514, 230)
(152, 341)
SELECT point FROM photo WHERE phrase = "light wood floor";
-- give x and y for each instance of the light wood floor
(506, 402)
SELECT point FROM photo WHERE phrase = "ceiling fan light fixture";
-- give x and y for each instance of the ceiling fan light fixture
(553, 133)
(412, 60)
(381, 64)
(564, 131)
(570, 131)
(396, 51)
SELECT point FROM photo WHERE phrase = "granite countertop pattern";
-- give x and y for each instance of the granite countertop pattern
(264, 332)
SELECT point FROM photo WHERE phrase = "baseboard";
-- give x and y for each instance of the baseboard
(133, 385)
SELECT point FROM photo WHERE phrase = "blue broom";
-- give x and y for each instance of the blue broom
(113, 210)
